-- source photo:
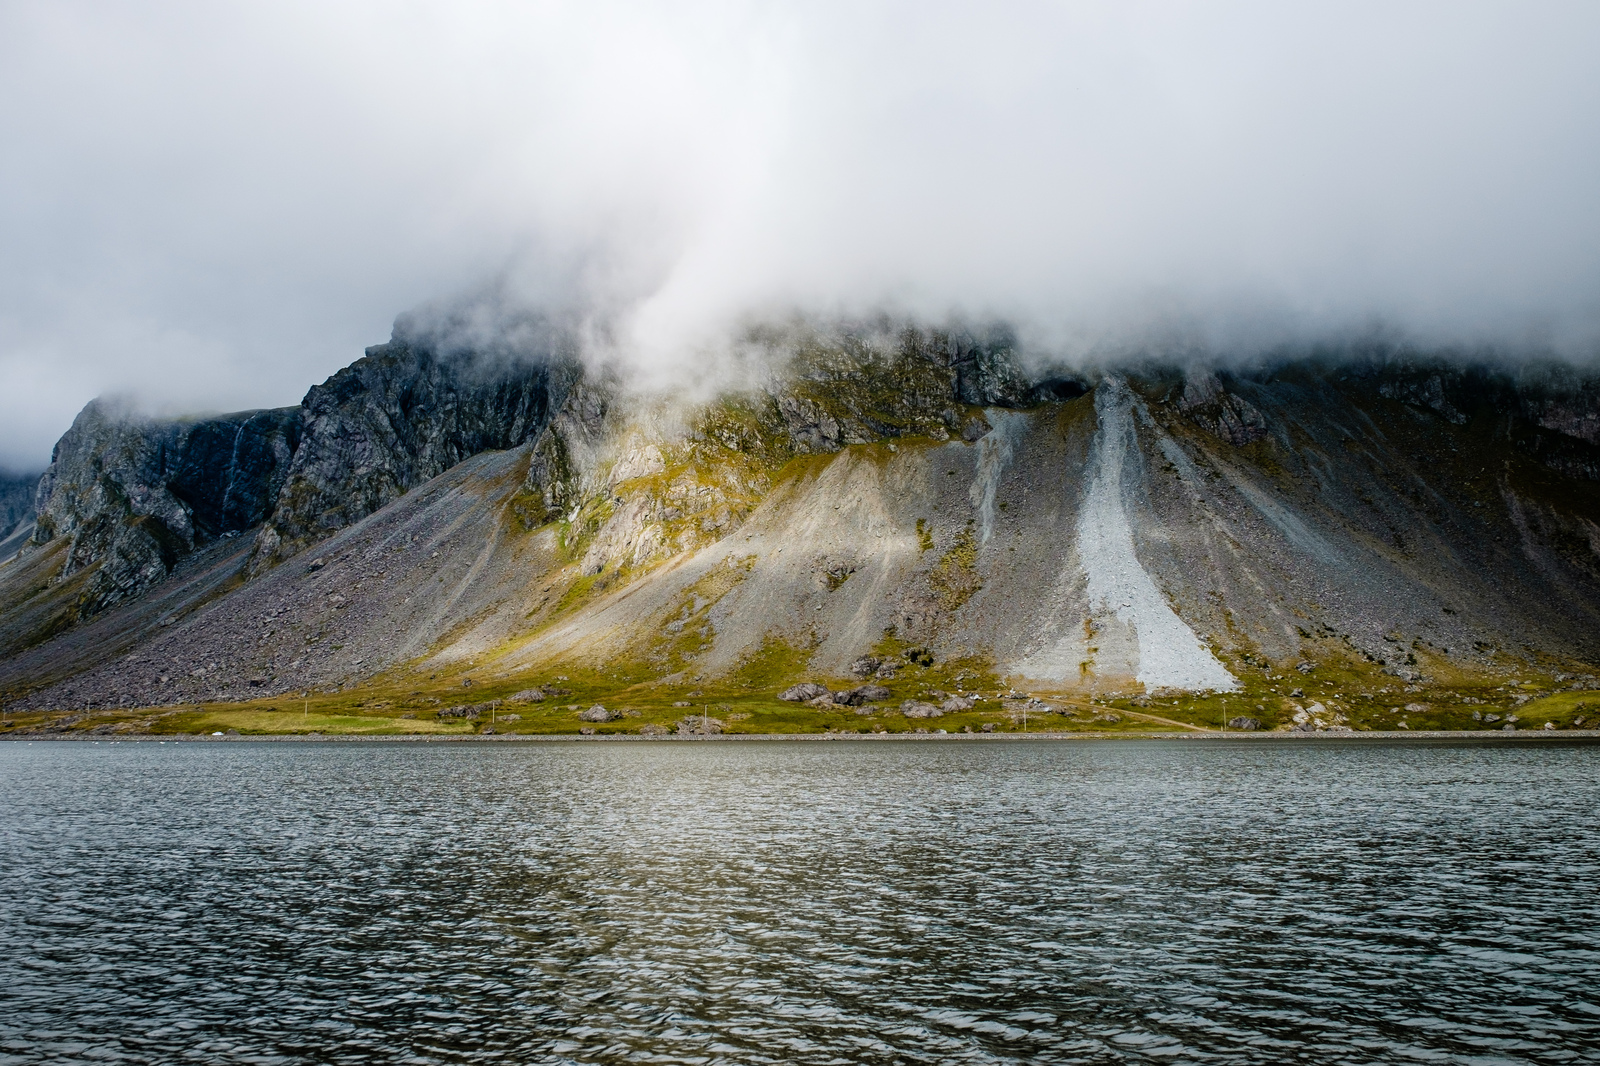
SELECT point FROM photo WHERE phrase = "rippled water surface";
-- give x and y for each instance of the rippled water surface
(799, 903)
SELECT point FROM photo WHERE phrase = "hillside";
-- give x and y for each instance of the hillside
(1360, 541)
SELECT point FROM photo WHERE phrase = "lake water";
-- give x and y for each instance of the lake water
(899, 902)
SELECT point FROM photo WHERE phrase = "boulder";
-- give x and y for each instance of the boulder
(849, 698)
(955, 704)
(870, 693)
(650, 729)
(918, 709)
(865, 666)
(1244, 723)
(804, 692)
(596, 713)
(529, 695)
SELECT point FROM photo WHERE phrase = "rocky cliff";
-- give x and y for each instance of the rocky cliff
(131, 496)
(16, 512)
(394, 419)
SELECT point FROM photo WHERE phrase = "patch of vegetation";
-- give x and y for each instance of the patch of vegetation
(954, 578)
(1565, 710)
(771, 667)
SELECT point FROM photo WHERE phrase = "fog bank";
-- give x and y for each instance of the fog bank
(212, 209)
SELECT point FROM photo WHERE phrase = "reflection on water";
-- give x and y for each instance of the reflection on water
(826, 903)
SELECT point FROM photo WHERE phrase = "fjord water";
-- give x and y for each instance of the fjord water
(799, 903)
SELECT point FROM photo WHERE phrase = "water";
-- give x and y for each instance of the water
(799, 903)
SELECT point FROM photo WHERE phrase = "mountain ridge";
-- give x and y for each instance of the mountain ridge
(1110, 534)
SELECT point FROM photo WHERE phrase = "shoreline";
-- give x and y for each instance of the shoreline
(1520, 736)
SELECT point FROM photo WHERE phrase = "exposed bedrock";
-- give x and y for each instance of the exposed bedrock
(16, 512)
(1549, 410)
(396, 418)
(133, 495)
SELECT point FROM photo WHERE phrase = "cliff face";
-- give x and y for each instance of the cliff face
(16, 511)
(391, 421)
(1549, 412)
(132, 495)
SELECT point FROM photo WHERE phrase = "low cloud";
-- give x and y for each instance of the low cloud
(213, 207)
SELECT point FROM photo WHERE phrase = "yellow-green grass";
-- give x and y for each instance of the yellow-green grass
(745, 699)
(1369, 699)
(1567, 710)
(265, 721)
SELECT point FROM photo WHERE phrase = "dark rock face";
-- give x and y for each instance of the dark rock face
(1221, 413)
(16, 511)
(573, 434)
(245, 456)
(1550, 410)
(391, 421)
(1424, 390)
(135, 495)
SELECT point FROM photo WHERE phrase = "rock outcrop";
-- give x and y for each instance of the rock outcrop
(1225, 415)
(396, 418)
(16, 512)
(134, 495)
(1550, 410)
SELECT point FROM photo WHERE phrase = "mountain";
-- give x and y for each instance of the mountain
(16, 512)
(1359, 539)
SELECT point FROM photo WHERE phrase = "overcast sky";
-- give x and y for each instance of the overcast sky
(211, 207)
